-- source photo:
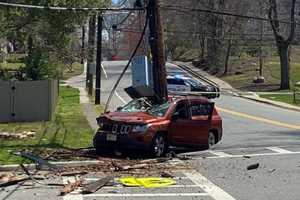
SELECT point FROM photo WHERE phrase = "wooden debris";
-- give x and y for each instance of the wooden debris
(156, 160)
(23, 135)
(254, 166)
(70, 187)
(11, 179)
(96, 185)
(130, 167)
(166, 175)
(73, 173)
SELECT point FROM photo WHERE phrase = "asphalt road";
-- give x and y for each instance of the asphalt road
(249, 128)
(253, 133)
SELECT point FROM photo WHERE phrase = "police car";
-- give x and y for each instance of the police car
(179, 83)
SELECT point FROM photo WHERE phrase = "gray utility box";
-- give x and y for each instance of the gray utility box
(141, 72)
(28, 101)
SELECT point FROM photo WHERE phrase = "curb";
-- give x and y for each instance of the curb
(269, 102)
(16, 167)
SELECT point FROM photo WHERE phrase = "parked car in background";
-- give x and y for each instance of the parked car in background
(179, 83)
(181, 121)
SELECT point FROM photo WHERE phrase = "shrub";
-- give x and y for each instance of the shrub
(38, 66)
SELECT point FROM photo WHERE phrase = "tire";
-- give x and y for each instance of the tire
(159, 145)
(211, 140)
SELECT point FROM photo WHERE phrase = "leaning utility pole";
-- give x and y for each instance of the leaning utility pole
(91, 53)
(157, 50)
(99, 59)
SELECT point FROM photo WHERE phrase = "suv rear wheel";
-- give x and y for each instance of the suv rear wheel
(211, 139)
(159, 145)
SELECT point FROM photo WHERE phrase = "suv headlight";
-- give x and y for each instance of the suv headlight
(140, 128)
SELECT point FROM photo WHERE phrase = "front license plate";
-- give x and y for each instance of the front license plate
(111, 137)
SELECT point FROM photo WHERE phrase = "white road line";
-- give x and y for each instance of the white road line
(250, 155)
(219, 153)
(210, 188)
(105, 74)
(278, 150)
(149, 195)
(75, 195)
(171, 186)
(175, 178)
(125, 102)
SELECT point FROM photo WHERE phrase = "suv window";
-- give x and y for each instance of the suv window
(198, 109)
(181, 111)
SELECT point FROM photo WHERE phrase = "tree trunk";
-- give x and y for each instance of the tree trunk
(227, 57)
(202, 47)
(283, 49)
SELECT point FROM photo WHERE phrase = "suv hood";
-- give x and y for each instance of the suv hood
(129, 117)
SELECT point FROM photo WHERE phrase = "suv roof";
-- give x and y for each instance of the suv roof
(177, 98)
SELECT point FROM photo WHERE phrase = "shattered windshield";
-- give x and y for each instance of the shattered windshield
(137, 105)
(159, 110)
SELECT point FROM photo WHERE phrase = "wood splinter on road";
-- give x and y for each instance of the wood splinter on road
(96, 185)
(70, 187)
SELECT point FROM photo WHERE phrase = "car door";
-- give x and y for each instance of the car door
(177, 85)
(199, 126)
(180, 124)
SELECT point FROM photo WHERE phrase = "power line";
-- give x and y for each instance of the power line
(128, 64)
(28, 6)
(187, 9)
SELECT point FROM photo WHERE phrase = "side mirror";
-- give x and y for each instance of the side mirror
(119, 108)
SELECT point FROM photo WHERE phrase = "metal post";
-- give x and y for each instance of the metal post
(91, 53)
(157, 51)
(98, 60)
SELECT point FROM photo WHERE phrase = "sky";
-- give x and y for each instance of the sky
(115, 1)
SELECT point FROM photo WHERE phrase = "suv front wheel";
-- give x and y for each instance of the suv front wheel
(159, 145)
(211, 140)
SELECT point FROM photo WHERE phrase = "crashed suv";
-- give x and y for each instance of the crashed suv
(139, 125)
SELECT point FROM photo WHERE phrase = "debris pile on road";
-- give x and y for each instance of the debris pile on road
(147, 167)
(22, 135)
(155, 172)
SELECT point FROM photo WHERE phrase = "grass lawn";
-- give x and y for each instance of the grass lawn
(271, 71)
(69, 129)
(286, 98)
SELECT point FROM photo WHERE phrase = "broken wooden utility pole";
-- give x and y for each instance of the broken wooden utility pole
(98, 60)
(157, 50)
(91, 53)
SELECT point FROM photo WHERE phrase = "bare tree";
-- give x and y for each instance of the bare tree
(282, 43)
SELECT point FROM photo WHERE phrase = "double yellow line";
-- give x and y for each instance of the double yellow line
(256, 118)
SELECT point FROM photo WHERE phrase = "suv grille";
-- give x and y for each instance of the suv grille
(116, 128)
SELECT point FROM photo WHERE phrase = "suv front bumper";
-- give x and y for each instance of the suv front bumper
(130, 141)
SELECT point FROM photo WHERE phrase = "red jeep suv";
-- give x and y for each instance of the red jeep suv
(185, 121)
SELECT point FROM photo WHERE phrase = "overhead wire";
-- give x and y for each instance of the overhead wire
(128, 64)
(188, 9)
(58, 8)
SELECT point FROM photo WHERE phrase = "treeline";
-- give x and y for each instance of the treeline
(45, 37)
(212, 31)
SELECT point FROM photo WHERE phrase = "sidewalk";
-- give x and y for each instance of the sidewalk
(88, 107)
(227, 88)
